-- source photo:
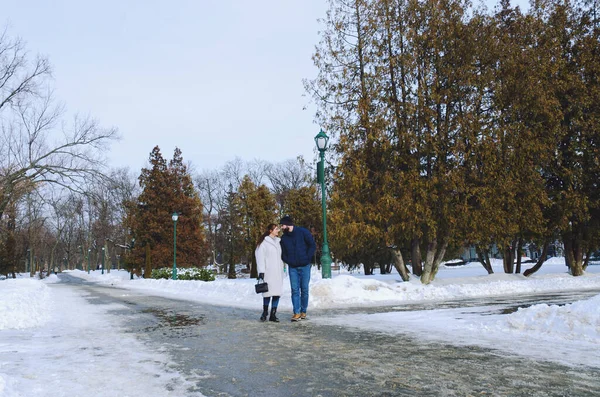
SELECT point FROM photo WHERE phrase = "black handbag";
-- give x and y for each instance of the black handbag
(261, 287)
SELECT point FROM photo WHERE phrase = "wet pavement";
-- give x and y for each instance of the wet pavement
(229, 352)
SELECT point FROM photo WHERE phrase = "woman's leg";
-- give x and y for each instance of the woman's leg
(273, 316)
(275, 302)
(265, 312)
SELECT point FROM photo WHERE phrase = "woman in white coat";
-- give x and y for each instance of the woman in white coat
(270, 268)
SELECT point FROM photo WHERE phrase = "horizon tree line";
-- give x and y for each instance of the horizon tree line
(452, 126)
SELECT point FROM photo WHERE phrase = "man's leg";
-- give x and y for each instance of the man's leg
(295, 286)
(304, 282)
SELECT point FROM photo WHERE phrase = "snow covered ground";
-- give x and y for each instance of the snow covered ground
(53, 343)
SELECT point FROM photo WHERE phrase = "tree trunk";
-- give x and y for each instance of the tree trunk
(415, 255)
(587, 258)
(573, 253)
(540, 261)
(231, 272)
(577, 267)
(253, 269)
(433, 258)
(107, 257)
(147, 264)
(484, 259)
(508, 259)
(399, 264)
(31, 263)
(568, 251)
(519, 255)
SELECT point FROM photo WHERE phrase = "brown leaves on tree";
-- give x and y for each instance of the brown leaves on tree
(167, 188)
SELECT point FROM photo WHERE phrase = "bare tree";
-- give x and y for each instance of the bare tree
(212, 195)
(17, 79)
(257, 171)
(233, 172)
(286, 176)
(36, 145)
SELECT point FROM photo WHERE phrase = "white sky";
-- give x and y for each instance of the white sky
(218, 79)
(69, 343)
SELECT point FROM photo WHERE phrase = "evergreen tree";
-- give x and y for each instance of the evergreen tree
(571, 32)
(455, 126)
(258, 209)
(231, 233)
(166, 188)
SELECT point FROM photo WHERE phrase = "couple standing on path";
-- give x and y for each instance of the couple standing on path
(295, 247)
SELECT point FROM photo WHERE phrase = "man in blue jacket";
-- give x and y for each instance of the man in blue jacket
(297, 249)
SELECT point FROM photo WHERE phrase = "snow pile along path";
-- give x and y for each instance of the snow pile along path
(24, 304)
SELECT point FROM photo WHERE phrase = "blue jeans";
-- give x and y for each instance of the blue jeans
(266, 301)
(299, 280)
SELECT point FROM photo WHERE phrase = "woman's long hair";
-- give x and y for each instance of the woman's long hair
(270, 228)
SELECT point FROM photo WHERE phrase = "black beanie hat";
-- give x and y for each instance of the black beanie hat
(286, 220)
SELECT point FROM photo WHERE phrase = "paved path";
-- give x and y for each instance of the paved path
(230, 353)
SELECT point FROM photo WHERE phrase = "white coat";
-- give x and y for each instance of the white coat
(268, 261)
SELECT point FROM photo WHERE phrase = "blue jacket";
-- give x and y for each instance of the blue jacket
(297, 247)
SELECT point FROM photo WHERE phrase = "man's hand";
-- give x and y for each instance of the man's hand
(261, 276)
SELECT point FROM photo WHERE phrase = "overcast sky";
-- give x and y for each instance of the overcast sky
(219, 79)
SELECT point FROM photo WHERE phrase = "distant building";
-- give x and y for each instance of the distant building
(530, 250)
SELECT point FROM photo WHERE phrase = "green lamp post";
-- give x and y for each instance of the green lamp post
(321, 140)
(79, 265)
(103, 257)
(175, 216)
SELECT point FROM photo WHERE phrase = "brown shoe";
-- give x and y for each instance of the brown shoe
(296, 317)
(302, 316)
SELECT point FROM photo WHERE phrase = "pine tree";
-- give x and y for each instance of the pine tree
(571, 32)
(258, 209)
(454, 126)
(166, 188)
(347, 90)
(231, 233)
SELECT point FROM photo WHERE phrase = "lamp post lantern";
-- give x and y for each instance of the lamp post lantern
(175, 216)
(321, 140)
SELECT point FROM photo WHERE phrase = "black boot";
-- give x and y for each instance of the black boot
(265, 312)
(272, 317)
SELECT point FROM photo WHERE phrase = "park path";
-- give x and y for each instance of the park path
(228, 352)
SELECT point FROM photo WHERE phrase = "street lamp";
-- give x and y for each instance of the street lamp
(103, 255)
(77, 264)
(89, 252)
(175, 216)
(321, 140)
